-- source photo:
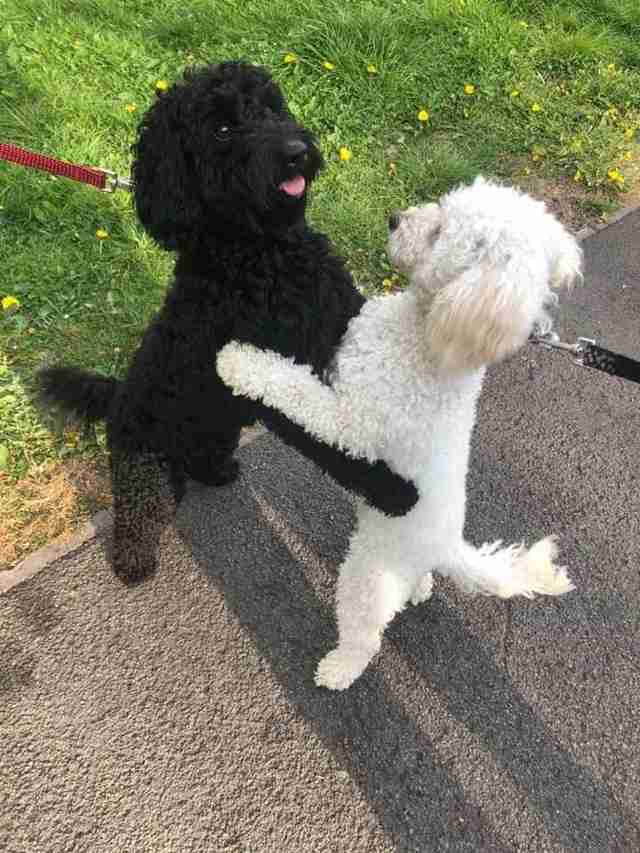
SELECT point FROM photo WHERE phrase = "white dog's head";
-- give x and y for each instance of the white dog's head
(493, 255)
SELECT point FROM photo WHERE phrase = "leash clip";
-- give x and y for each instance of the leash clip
(581, 347)
(551, 341)
(114, 182)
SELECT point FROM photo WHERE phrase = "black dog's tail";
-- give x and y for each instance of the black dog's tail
(83, 395)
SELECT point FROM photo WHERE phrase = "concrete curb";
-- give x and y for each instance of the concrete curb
(47, 555)
(588, 230)
(98, 525)
(101, 522)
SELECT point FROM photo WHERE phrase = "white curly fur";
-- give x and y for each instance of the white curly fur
(404, 389)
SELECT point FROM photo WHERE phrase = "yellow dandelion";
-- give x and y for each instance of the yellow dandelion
(328, 65)
(469, 89)
(423, 116)
(535, 107)
(131, 108)
(10, 303)
(345, 154)
(611, 68)
(161, 85)
(387, 284)
(616, 177)
(102, 234)
(515, 93)
(628, 155)
(289, 58)
(629, 133)
(371, 69)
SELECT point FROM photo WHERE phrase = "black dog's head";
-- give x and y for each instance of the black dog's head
(220, 154)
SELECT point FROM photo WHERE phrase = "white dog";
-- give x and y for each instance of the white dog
(404, 387)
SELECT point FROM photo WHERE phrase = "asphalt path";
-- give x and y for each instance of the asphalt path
(182, 715)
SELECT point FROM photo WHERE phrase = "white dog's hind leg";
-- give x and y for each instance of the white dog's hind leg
(507, 572)
(372, 588)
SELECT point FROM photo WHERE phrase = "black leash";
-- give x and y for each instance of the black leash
(588, 354)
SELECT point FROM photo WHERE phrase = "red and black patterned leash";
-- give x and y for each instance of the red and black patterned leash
(102, 179)
(588, 354)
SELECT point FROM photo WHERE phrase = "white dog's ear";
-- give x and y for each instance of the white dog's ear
(483, 315)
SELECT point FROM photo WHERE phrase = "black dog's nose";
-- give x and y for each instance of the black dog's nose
(394, 221)
(295, 148)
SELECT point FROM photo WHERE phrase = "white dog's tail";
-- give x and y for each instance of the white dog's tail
(507, 572)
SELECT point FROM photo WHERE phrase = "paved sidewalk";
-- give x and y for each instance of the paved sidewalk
(182, 716)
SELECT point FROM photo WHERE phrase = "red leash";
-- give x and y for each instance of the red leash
(102, 179)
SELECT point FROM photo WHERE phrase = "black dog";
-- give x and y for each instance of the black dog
(220, 175)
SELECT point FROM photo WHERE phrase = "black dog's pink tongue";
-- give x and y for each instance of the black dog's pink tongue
(294, 186)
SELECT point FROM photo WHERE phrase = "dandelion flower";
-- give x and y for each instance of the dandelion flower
(102, 234)
(10, 303)
(616, 177)
(161, 85)
(289, 58)
(611, 68)
(328, 65)
(469, 89)
(515, 93)
(131, 108)
(628, 155)
(371, 69)
(72, 439)
(387, 283)
(345, 153)
(629, 133)
(535, 107)
(423, 116)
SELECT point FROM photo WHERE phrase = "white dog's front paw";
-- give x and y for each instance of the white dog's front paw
(340, 668)
(231, 365)
(423, 589)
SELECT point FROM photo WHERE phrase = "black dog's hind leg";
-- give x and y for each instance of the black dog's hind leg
(145, 492)
(212, 463)
(177, 481)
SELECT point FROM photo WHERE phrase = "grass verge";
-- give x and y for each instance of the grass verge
(407, 99)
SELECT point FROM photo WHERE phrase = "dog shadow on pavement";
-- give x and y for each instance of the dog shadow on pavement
(435, 733)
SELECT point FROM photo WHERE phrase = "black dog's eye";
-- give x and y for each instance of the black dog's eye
(223, 133)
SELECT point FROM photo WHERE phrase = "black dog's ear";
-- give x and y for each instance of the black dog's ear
(165, 191)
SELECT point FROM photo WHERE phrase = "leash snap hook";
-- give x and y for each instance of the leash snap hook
(114, 182)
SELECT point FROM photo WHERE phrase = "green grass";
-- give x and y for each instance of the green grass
(69, 69)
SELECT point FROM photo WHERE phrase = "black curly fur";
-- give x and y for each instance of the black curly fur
(83, 395)
(248, 268)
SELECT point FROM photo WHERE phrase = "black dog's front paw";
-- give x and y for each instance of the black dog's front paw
(133, 565)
